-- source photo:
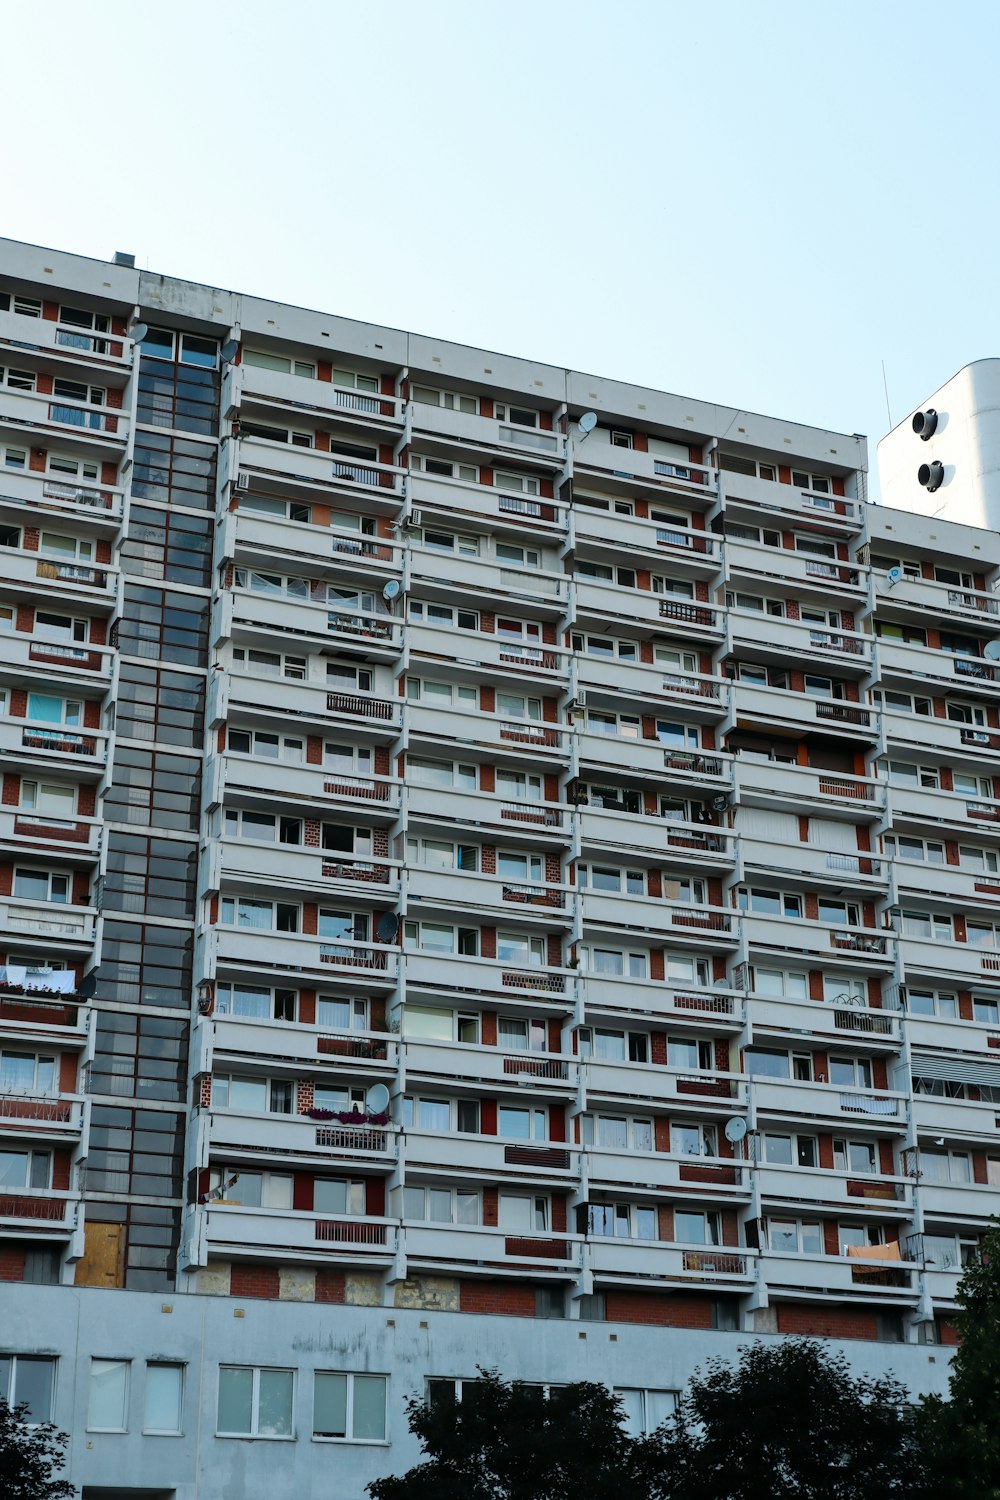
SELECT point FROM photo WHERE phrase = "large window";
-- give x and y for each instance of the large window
(164, 1395)
(107, 1407)
(350, 1407)
(255, 1402)
(28, 1378)
(645, 1411)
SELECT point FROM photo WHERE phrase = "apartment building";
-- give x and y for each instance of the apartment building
(499, 866)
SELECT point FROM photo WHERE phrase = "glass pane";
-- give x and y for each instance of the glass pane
(330, 1405)
(32, 1383)
(108, 1384)
(235, 1399)
(369, 1407)
(275, 1410)
(163, 1398)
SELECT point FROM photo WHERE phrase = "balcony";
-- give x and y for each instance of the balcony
(447, 574)
(651, 758)
(928, 810)
(490, 898)
(504, 738)
(708, 927)
(800, 788)
(231, 1230)
(941, 739)
(937, 1034)
(98, 431)
(47, 924)
(950, 961)
(489, 656)
(531, 516)
(971, 1204)
(52, 664)
(50, 1118)
(652, 1262)
(778, 567)
(292, 395)
(262, 782)
(331, 551)
(857, 946)
(698, 695)
(721, 1179)
(312, 472)
(958, 1120)
(535, 823)
(301, 626)
(239, 1039)
(469, 430)
(43, 746)
(716, 1009)
(788, 1188)
(604, 828)
(844, 1025)
(92, 508)
(888, 1282)
(653, 1085)
(34, 1213)
(39, 579)
(762, 637)
(627, 471)
(686, 550)
(822, 512)
(276, 1141)
(100, 353)
(802, 713)
(473, 1158)
(454, 975)
(79, 838)
(874, 1110)
(942, 671)
(543, 1073)
(806, 864)
(608, 604)
(297, 957)
(918, 880)
(300, 869)
(44, 1021)
(300, 704)
(923, 598)
(467, 1247)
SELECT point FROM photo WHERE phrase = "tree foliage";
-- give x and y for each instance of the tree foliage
(511, 1441)
(789, 1421)
(30, 1455)
(963, 1434)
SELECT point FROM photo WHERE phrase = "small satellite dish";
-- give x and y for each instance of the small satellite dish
(87, 987)
(386, 927)
(736, 1129)
(140, 331)
(893, 577)
(229, 351)
(720, 803)
(377, 1099)
(587, 422)
(992, 650)
(391, 590)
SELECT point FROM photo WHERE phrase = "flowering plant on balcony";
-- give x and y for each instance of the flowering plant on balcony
(348, 1117)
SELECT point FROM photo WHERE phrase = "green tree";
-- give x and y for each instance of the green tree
(29, 1457)
(789, 1421)
(963, 1434)
(509, 1441)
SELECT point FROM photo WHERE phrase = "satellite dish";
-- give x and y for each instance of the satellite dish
(229, 351)
(140, 331)
(377, 1099)
(720, 803)
(386, 927)
(992, 650)
(736, 1129)
(893, 577)
(587, 422)
(87, 987)
(391, 590)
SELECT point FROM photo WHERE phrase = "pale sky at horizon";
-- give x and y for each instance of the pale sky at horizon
(748, 205)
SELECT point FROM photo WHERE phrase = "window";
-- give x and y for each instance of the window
(41, 885)
(28, 1071)
(766, 902)
(516, 706)
(926, 924)
(13, 458)
(983, 861)
(269, 664)
(618, 1132)
(255, 1402)
(982, 934)
(262, 916)
(257, 1002)
(267, 746)
(164, 1396)
(25, 307)
(270, 505)
(946, 1166)
(790, 1150)
(341, 1014)
(350, 1407)
(464, 545)
(691, 1054)
(28, 1378)
(520, 484)
(18, 380)
(923, 1002)
(521, 1215)
(298, 439)
(623, 1221)
(441, 1115)
(438, 937)
(443, 614)
(443, 468)
(24, 1168)
(251, 1189)
(838, 913)
(265, 828)
(284, 364)
(46, 710)
(926, 851)
(855, 1157)
(692, 1139)
(904, 703)
(778, 982)
(450, 400)
(986, 1011)
(696, 1228)
(441, 773)
(611, 878)
(518, 948)
(522, 557)
(338, 1195)
(441, 1205)
(68, 548)
(795, 1236)
(107, 1409)
(522, 1124)
(613, 961)
(254, 1095)
(441, 694)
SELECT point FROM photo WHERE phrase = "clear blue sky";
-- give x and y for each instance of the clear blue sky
(749, 203)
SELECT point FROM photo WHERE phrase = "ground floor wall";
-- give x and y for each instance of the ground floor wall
(76, 1325)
